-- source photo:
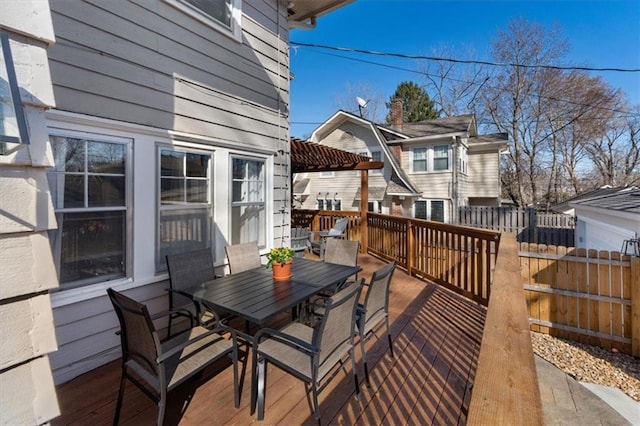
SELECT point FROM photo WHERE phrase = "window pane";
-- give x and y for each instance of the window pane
(239, 168)
(248, 182)
(248, 224)
(91, 247)
(103, 157)
(420, 160)
(220, 10)
(183, 230)
(337, 204)
(172, 190)
(185, 182)
(197, 191)
(172, 163)
(68, 153)
(197, 165)
(73, 190)
(421, 209)
(106, 191)
(441, 157)
(437, 211)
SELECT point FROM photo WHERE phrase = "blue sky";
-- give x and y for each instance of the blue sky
(601, 34)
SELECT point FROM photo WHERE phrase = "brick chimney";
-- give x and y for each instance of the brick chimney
(396, 114)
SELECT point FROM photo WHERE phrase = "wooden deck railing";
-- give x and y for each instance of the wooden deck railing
(482, 265)
(459, 258)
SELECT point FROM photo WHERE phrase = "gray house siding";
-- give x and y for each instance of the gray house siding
(27, 271)
(148, 63)
(144, 70)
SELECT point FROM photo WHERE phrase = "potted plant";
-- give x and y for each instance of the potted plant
(279, 260)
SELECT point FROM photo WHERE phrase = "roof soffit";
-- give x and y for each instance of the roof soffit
(304, 10)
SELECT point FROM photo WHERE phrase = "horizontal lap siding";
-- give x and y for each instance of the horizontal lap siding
(145, 62)
(150, 64)
(483, 175)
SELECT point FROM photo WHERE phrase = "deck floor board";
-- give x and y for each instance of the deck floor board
(436, 338)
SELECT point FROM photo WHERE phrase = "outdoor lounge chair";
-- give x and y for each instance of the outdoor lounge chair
(374, 312)
(243, 257)
(188, 270)
(158, 367)
(308, 353)
(318, 245)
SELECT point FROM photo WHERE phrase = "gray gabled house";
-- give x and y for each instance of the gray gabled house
(431, 167)
(155, 126)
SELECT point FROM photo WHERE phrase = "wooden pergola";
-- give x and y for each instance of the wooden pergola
(312, 157)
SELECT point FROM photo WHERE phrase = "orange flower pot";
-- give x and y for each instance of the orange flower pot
(281, 271)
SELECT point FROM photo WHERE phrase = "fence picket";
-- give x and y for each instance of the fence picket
(583, 295)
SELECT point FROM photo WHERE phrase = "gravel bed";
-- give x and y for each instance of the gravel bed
(590, 364)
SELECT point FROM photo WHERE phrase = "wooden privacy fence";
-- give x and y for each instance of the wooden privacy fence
(584, 295)
(529, 225)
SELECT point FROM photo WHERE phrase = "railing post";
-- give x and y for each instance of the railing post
(364, 206)
(410, 246)
(635, 306)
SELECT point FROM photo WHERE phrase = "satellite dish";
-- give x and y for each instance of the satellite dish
(361, 102)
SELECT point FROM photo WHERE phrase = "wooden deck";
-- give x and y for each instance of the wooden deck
(436, 335)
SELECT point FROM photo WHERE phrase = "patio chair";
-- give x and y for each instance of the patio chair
(318, 245)
(243, 257)
(299, 238)
(308, 353)
(157, 368)
(187, 270)
(374, 312)
(341, 252)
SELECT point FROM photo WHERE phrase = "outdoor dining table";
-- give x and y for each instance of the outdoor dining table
(255, 296)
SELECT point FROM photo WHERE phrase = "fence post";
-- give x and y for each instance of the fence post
(635, 306)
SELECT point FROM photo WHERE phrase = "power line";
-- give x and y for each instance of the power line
(460, 61)
(623, 113)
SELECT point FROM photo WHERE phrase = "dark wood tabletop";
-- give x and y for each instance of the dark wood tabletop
(255, 296)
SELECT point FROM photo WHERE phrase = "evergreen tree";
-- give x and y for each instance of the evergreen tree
(416, 103)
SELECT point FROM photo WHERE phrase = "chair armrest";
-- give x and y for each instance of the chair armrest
(285, 338)
(175, 311)
(177, 349)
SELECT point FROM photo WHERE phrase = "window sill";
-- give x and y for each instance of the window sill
(75, 295)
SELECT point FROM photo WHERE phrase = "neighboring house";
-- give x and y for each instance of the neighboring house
(431, 167)
(169, 131)
(565, 207)
(605, 222)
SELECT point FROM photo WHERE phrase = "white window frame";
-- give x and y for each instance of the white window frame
(263, 203)
(426, 159)
(234, 31)
(428, 208)
(14, 134)
(433, 157)
(160, 262)
(430, 158)
(79, 286)
(463, 160)
(376, 172)
(376, 205)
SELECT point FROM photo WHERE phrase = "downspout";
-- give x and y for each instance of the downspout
(454, 179)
